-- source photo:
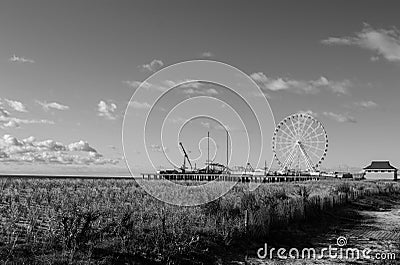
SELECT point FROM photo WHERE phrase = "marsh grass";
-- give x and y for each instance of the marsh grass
(115, 221)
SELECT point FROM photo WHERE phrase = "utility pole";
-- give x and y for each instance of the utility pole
(208, 150)
(265, 167)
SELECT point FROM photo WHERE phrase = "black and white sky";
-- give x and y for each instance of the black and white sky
(69, 68)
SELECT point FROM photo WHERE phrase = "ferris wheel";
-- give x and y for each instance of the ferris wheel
(300, 143)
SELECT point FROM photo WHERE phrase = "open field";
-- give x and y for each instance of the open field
(46, 221)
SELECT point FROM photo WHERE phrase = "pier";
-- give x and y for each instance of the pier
(228, 177)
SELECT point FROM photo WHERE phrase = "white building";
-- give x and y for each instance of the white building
(380, 170)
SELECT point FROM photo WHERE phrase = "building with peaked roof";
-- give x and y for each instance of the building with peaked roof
(380, 170)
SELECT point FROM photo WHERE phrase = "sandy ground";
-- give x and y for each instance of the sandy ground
(370, 223)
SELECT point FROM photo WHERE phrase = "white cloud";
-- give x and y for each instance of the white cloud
(107, 110)
(177, 120)
(16, 105)
(262, 94)
(337, 87)
(366, 104)
(47, 145)
(301, 86)
(190, 84)
(112, 147)
(8, 121)
(146, 85)
(9, 124)
(208, 91)
(4, 112)
(165, 85)
(139, 105)
(157, 148)
(207, 54)
(153, 65)
(10, 140)
(205, 124)
(49, 151)
(384, 42)
(194, 87)
(12, 122)
(17, 59)
(133, 84)
(273, 85)
(52, 105)
(374, 58)
(309, 112)
(81, 146)
(29, 140)
(186, 83)
(340, 117)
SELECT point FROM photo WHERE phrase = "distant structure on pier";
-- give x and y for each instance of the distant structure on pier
(380, 170)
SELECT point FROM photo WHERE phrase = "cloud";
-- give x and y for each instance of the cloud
(16, 105)
(153, 66)
(262, 94)
(49, 151)
(17, 59)
(4, 112)
(10, 140)
(81, 146)
(52, 105)
(208, 91)
(107, 110)
(219, 127)
(112, 147)
(205, 124)
(46, 145)
(384, 42)
(133, 84)
(229, 128)
(157, 148)
(193, 87)
(309, 112)
(166, 84)
(139, 105)
(189, 84)
(374, 58)
(8, 121)
(366, 104)
(337, 87)
(146, 85)
(177, 120)
(207, 54)
(12, 122)
(270, 84)
(340, 117)
(301, 86)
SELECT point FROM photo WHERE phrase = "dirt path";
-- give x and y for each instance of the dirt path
(370, 223)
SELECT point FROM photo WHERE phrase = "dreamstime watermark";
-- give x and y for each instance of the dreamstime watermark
(340, 251)
(217, 96)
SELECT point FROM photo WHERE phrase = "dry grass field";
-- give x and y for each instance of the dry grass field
(61, 221)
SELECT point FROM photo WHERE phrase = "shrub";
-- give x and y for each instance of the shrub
(344, 188)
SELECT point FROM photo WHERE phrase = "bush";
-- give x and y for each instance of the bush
(303, 192)
(343, 188)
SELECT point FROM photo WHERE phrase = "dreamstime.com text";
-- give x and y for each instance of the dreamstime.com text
(332, 252)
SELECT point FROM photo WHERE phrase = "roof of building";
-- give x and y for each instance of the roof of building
(380, 165)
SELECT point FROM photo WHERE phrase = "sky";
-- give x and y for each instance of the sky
(69, 68)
